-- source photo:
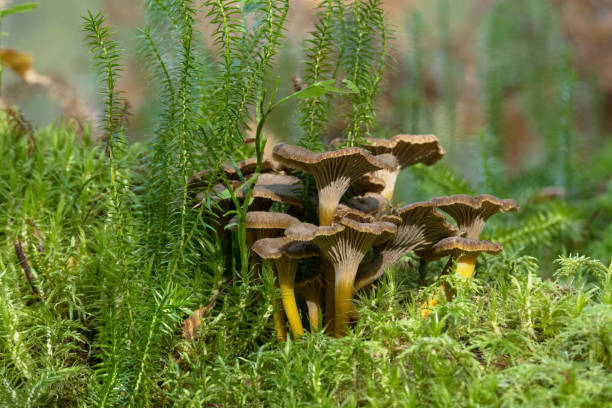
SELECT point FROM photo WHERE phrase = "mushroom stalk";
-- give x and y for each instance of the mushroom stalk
(330, 283)
(466, 264)
(344, 307)
(313, 305)
(279, 321)
(286, 269)
(389, 177)
(329, 198)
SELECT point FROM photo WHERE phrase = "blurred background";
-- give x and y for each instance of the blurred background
(455, 59)
(518, 91)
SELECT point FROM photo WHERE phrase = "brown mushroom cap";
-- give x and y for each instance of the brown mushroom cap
(311, 284)
(402, 151)
(275, 248)
(408, 149)
(267, 224)
(462, 245)
(343, 211)
(471, 213)
(333, 172)
(368, 183)
(421, 227)
(248, 167)
(200, 180)
(369, 203)
(276, 188)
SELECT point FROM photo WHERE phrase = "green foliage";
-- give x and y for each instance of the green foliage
(120, 254)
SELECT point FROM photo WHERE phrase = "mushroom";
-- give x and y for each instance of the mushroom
(465, 251)
(271, 188)
(284, 252)
(344, 244)
(264, 224)
(344, 211)
(407, 150)
(310, 290)
(471, 214)
(370, 203)
(333, 172)
(368, 184)
(248, 166)
(419, 226)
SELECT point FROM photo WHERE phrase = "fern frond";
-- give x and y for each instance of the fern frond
(440, 180)
(540, 230)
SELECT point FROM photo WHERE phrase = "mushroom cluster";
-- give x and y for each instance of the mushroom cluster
(356, 233)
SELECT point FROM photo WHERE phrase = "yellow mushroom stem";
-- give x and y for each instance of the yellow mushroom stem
(329, 197)
(466, 264)
(330, 283)
(390, 178)
(344, 307)
(286, 269)
(465, 269)
(279, 321)
(313, 307)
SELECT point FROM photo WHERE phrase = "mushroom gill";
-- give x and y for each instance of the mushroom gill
(406, 150)
(471, 214)
(465, 251)
(419, 226)
(334, 172)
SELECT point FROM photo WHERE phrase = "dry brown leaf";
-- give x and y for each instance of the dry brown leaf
(192, 323)
(17, 61)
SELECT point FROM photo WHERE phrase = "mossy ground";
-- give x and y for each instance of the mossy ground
(508, 338)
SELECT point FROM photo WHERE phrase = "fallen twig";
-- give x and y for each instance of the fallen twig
(23, 261)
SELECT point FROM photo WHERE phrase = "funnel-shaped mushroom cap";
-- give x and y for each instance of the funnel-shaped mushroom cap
(219, 196)
(278, 188)
(344, 245)
(202, 179)
(269, 220)
(275, 248)
(471, 213)
(408, 149)
(403, 151)
(283, 253)
(369, 203)
(267, 224)
(460, 245)
(312, 284)
(420, 227)
(333, 171)
(339, 242)
(347, 212)
(368, 184)
(248, 167)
